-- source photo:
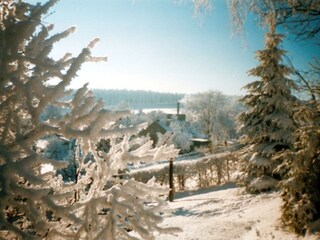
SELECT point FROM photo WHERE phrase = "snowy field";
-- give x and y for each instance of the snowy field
(164, 110)
(227, 212)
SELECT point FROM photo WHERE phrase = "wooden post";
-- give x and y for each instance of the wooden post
(171, 180)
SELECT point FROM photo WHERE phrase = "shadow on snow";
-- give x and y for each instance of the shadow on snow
(179, 196)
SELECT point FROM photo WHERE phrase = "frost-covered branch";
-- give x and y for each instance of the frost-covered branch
(36, 200)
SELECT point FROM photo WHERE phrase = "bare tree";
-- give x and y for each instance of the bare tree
(301, 17)
(208, 111)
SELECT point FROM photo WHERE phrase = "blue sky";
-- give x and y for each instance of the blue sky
(160, 45)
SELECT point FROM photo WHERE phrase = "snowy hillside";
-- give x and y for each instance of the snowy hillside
(227, 212)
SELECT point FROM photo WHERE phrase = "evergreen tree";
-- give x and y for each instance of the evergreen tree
(37, 205)
(301, 189)
(268, 123)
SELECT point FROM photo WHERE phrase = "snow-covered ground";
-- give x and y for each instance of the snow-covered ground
(227, 212)
(164, 110)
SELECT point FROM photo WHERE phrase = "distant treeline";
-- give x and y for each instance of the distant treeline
(138, 99)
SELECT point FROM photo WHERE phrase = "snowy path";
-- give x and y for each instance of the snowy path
(225, 213)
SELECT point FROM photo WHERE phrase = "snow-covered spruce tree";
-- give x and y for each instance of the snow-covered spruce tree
(300, 191)
(42, 206)
(267, 125)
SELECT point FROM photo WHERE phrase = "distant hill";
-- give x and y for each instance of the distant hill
(138, 99)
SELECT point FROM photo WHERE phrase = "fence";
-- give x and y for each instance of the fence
(203, 172)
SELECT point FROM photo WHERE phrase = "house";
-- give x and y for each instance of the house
(153, 131)
(179, 117)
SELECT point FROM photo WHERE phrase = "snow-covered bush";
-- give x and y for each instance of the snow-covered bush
(181, 141)
(38, 205)
(181, 135)
(203, 172)
(267, 125)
